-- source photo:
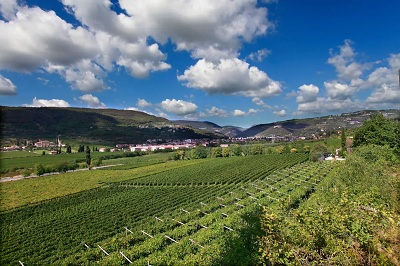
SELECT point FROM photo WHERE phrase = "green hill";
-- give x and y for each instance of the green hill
(91, 125)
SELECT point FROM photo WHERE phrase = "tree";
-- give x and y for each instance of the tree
(343, 139)
(286, 149)
(318, 151)
(226, 152)
(236, 150)
(217, 152)
(377, 130)
(40, 169)
(88, 158)
(199, 152)
(69, 149)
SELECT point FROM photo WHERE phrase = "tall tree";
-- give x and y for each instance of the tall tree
(88, 158)
(377, 130)
(343, 139)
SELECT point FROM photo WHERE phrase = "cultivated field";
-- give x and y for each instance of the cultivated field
(173, 212)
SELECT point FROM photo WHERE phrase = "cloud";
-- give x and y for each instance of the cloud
(142, 103)
(307, 93)
(386, 94)
(345, 64)
(238, 112)
(92, 101)
(208, 29)
(179, 107)
(47, 103)
(260, 102)
(214, 111)
(339, 91)
(139, 110)
(342, 94)
(84, 75)
(281, 113)
(230, 76)
(259, 55)
(8, 9)
(7, 87)
(43, 80)
(35, 38)
(326, 105)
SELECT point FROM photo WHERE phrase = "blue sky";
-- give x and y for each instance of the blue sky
(240, 62)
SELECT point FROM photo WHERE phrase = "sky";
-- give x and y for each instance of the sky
(231, 62)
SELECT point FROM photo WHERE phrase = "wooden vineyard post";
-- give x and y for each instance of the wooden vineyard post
(178, 222)
(158, 219)
(171, 239)
(194, 242)
(102, 249)
(127, 230)
(21, 263)
(230, 229)
(123, 255)
(86, 246)
(185, 210)
(147, 234)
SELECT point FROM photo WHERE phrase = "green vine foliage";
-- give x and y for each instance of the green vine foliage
(352, 220)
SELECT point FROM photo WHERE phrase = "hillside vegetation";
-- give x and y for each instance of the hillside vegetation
(91, 125)
(354, 216)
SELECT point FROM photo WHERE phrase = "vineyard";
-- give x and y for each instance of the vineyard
(199, 213)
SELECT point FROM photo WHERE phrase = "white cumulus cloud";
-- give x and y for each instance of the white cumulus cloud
(142, 103)
(179, 107)
(47, 103)
(92, 101)
(238, 112)
(214, 111)
(307, 93)
(7, 87)
(281, 113)
(230, 76)
(209, 29)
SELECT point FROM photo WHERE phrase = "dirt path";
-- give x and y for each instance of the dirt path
(20, 177)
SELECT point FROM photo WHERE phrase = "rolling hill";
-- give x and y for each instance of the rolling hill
(312, 126)
(92, 125)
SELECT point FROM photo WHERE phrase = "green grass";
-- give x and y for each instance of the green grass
(29, 191)
(17, 160)
(17, 154)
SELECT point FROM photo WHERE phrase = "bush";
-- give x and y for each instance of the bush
(40, 169)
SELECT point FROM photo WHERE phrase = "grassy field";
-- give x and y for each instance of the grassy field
(29, 191)
(26, 160)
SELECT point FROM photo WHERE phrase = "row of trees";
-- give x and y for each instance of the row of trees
(237, 150)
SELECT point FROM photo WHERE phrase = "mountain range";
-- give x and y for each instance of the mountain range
(125, 126)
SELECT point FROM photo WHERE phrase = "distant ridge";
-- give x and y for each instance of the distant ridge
(309, 126)
(92, 125)
(125, 126)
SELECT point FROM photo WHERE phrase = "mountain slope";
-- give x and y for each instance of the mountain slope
(91, 125)
(311, 126)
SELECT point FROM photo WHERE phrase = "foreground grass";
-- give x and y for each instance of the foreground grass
(29, 191)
